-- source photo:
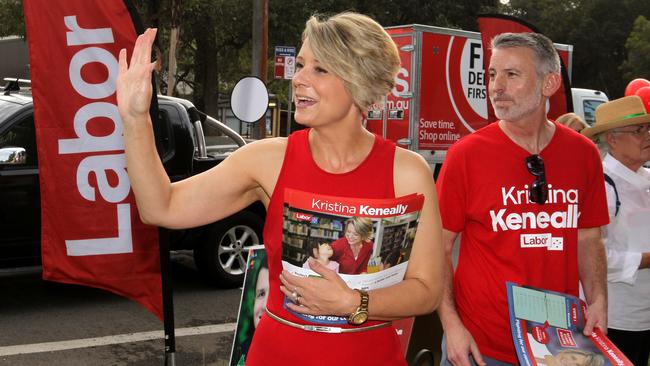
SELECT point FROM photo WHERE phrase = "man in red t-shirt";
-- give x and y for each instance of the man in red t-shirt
(528, 197)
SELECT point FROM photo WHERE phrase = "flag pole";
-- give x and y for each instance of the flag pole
(163, 234)
(165, 270)
(168, 298)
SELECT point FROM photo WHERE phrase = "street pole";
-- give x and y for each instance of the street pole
(289, 108)
(260, 47)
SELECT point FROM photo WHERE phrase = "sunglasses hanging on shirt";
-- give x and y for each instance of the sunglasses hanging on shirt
(538, 191)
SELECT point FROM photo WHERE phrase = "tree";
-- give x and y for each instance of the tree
(214, 49)
(597, 29)
(13, 23)
(637, 64)
(173, 42)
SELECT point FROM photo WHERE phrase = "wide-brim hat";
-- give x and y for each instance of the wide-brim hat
(626, 111)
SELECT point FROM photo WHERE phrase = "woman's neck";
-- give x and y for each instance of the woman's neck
(337, 152)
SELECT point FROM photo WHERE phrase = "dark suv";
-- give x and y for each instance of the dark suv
(219, 248)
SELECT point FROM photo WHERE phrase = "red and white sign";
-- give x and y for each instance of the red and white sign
(285, 62)
(453, 90)
(91, 232)
(565, 337)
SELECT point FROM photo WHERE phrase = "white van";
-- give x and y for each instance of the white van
(585, 102)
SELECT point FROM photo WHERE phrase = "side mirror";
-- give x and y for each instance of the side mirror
(13, 156)
(249, 99)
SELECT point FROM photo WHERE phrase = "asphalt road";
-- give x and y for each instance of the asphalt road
(47, 323)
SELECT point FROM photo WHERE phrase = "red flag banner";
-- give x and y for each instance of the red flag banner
(494, 24)
(91, 232)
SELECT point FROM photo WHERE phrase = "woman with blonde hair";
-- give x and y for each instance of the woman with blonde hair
(346, 63)
(572, 357)
(354, 248)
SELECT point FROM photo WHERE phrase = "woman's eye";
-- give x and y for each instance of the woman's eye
(321, 70)
(298, 66)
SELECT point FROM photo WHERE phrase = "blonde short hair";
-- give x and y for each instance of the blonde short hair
(573, 121)
(590, 358)
(362, 225)
(358, 50)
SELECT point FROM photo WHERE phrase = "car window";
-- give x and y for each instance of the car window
(218, 144)
(164, 135)
(589, 108)
(22, 134)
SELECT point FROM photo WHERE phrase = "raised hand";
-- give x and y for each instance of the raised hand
(134, 79)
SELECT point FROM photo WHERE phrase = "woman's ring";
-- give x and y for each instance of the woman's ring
(295, 296)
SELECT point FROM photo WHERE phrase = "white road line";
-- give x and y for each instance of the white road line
(109, 340)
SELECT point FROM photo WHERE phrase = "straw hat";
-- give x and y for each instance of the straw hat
(626, 111)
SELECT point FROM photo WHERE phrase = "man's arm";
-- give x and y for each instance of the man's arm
(645, 260)
(460, 343)
(592, 265)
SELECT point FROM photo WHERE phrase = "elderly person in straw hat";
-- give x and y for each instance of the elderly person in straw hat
(621, 128)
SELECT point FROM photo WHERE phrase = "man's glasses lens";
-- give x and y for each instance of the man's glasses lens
(538, 189)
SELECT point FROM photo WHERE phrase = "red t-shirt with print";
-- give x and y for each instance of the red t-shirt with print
(483, 194)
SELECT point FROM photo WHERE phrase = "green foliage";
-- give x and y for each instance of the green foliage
(287, 19)
(11, 18)
(598, 30)
(610, 38)
(637, 64)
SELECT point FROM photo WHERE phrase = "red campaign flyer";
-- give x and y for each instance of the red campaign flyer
(547, 330)
(367, 241)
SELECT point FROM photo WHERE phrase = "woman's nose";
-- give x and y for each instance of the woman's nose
(299, 79)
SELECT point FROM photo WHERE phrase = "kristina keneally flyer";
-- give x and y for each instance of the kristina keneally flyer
(547, 330)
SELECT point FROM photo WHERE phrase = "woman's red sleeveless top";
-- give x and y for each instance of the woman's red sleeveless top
(278, 344)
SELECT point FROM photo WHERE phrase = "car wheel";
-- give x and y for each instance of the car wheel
(221, 256)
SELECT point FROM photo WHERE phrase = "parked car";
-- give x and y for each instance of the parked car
(219, 248)
(585, 102)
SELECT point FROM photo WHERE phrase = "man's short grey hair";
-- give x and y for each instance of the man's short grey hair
(548, 61)
(602, 144)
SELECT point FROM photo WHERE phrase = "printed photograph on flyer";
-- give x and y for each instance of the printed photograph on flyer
(367, 242)
(547, 330)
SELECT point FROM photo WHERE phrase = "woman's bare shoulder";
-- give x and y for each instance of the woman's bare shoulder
(411, 172)
(406, 160)
(261, 160)
(270, 149)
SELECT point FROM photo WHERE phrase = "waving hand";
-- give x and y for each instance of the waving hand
(134, 79)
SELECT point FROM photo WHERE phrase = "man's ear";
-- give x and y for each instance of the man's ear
(552, 83)
(611, 140)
